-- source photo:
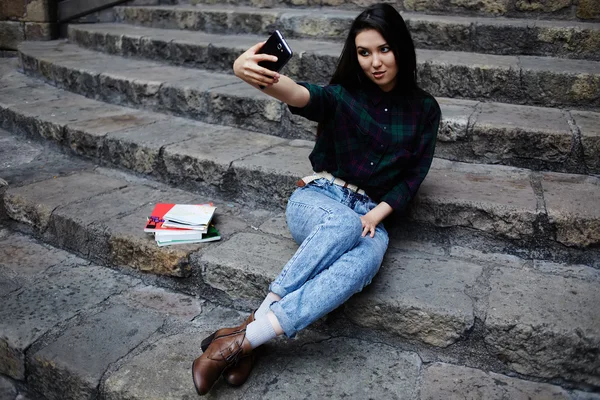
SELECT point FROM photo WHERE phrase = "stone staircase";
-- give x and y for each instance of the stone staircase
(493, 273)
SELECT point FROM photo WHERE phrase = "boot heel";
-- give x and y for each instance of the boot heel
(206, 342)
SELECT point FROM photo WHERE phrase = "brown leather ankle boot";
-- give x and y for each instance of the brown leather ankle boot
(227, 348)
(237, 374)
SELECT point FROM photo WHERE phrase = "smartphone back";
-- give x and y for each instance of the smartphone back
(276, 46)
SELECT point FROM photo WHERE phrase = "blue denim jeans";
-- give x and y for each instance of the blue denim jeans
(333, 261)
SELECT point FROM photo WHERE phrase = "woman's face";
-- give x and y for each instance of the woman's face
(376, 58)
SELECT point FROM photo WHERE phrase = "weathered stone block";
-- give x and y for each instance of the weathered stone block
(138, 148)
(320, 27)
(87, 137)
(439, 33)
(504, 37)
(531, 135)
(567, 82)
(589, 129)
(472, 76)
(543, 6)
(245, 265)
(207, 158)
(418, 297)
(544, 325)
(13, 9)
(85, 226)
(450, 382)
(502, 202)
(567, 41)
(241, 105)
(572, 206)
(39, 31)
(71, 366)
(33, 204)
(588, 9)
(269, 177)
(64, 291)
(11, 34)
(38, 11)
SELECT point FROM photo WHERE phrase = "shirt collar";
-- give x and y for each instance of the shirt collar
(375, 94)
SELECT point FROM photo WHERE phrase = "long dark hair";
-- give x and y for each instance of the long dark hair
(389, 23)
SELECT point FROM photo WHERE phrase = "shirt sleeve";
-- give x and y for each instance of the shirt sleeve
(322, 102)
(405, 190)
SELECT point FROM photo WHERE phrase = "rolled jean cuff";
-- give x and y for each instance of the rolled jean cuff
(278, 289)
(284, 321)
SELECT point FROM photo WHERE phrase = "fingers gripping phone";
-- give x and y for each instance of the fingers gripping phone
(278, 47)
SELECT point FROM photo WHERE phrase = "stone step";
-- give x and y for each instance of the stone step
(545, 81)
(532, 209)
(532, 317)
(521, 136)
(588, 10)
(568, 39)
(74, 330)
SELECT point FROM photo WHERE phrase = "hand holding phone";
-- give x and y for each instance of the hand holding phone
(278, 47)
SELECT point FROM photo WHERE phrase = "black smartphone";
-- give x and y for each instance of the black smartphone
(278, 47)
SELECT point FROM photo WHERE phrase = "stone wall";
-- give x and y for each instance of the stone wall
(26, 20)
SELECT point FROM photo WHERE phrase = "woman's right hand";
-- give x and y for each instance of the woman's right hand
(247, 69)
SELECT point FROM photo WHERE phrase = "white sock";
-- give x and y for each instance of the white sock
(265, 305)
(260, 331)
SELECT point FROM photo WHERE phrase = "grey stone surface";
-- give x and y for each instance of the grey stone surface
(450, 382)
(582, 272)
(245, 265)
(87, 137)
(138, 149)
(48, 118)
(208, 157)
(25, 259)
(33, 204)
(8, 391)
(470, 75)
(85, 226)
(531, 134)
(454, 74)
(270, 176)
(487, 259)
(164, 302)
(589, 128)
(543, 325)
(501, 201)
(62, 293)
(575, 217)
(276, 226)
(71, 366)
(11, 33)
(573, 82)
(316, 367)
(419, 297)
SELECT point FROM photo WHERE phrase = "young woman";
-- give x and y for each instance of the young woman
(375, 142)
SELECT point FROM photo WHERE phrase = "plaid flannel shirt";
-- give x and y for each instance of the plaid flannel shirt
(381, 142)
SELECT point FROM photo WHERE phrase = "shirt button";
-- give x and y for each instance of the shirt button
(385, 109)
(385, 127)
(371, 163)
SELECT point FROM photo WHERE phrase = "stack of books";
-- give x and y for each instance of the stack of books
(182, 224)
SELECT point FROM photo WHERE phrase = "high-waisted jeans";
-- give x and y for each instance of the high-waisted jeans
(333, 261)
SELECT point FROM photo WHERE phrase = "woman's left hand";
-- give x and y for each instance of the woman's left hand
(371, 219)
(369, 223)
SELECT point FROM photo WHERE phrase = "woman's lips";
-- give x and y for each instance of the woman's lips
(378, 74)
